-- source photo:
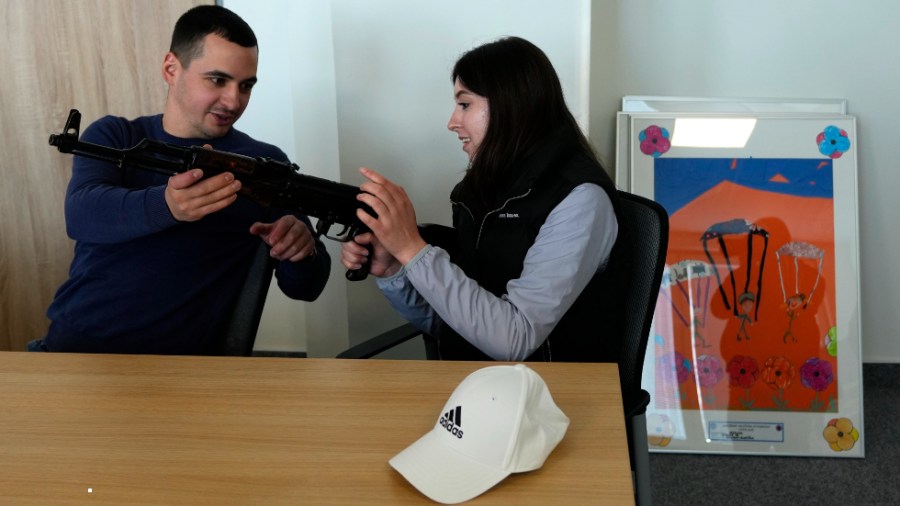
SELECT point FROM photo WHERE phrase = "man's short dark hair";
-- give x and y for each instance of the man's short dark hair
(195, 24)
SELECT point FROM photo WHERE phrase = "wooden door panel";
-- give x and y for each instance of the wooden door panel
(99, 56)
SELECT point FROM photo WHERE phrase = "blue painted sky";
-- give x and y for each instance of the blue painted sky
(678, 181)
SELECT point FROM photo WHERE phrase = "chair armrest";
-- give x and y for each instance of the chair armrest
(436, 235)
(381, 342)
(636, 405)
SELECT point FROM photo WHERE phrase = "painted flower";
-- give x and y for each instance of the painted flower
(778, 373)
(832, 141)
(660, 430)
(831, 341)
(742, 371)
(840, 434)
(674, 366)
(816, 374)
(654, 140)
(709, 370)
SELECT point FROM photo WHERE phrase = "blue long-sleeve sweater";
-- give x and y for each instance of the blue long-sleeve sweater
(142, 282)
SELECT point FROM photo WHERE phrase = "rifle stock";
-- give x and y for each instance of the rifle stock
(268, 182)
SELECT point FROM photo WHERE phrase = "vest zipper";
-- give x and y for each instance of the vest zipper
(489, 213)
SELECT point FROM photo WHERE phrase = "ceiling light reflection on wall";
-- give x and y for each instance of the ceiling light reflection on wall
(712, 132)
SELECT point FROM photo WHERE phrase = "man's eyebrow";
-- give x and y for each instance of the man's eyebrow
(226, 75)
(219, 74)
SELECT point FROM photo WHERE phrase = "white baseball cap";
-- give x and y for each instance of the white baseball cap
(500, 420)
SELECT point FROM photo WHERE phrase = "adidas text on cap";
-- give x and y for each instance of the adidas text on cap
(500, 420)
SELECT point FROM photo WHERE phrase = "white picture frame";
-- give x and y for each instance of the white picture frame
(762, 283)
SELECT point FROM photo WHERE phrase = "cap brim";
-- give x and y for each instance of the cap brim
(444, 474)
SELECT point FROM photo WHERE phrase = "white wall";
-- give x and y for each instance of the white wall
(352, 82)
(345, 83)
(774, 49)
(295, 54)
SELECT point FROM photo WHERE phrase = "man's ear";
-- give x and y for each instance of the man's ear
(171, 67)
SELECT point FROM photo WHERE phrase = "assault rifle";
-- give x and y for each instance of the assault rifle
(268, 182)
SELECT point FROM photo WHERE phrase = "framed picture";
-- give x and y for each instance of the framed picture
(755, 345)
(643, 103)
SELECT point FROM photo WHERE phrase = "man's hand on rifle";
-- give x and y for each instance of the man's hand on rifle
(289, 238)
(189, 198)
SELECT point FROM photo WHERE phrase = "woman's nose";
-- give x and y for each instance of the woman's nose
(453, 124)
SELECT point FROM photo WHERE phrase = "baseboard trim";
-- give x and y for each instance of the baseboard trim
(285, 354)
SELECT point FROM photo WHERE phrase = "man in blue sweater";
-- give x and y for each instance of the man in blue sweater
(159, 261)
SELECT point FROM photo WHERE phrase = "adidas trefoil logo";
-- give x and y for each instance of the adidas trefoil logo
(452, 421)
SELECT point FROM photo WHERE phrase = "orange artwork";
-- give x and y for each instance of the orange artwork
(746, 316)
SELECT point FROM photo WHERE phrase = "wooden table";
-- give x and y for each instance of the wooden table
(116, 429)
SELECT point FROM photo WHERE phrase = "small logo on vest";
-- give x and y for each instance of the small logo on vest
(508, 215)
(452, 421)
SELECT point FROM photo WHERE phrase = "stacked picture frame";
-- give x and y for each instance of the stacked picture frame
(755, 346)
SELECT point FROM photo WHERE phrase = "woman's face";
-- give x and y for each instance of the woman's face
(469, 119)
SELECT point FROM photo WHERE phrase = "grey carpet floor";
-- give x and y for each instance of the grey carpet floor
(695, 479)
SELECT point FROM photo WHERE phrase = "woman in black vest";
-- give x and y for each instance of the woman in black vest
(534, 218)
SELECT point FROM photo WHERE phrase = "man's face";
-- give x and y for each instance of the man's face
(210, 94)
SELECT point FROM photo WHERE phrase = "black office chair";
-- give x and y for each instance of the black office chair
(639, 256)
(240, 334)
(645, 260)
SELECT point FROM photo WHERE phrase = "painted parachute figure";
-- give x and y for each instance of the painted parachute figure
(747, 301)
(692, 279)
(798, 300)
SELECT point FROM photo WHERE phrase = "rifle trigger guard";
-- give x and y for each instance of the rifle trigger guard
(322, 228)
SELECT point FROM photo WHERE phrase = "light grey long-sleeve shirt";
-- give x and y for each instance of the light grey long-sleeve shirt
(572, 245)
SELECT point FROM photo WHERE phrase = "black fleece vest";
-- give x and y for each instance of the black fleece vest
(493, 243)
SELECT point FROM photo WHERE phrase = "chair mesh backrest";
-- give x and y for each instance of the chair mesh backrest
(240, 334)
(647, 226)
